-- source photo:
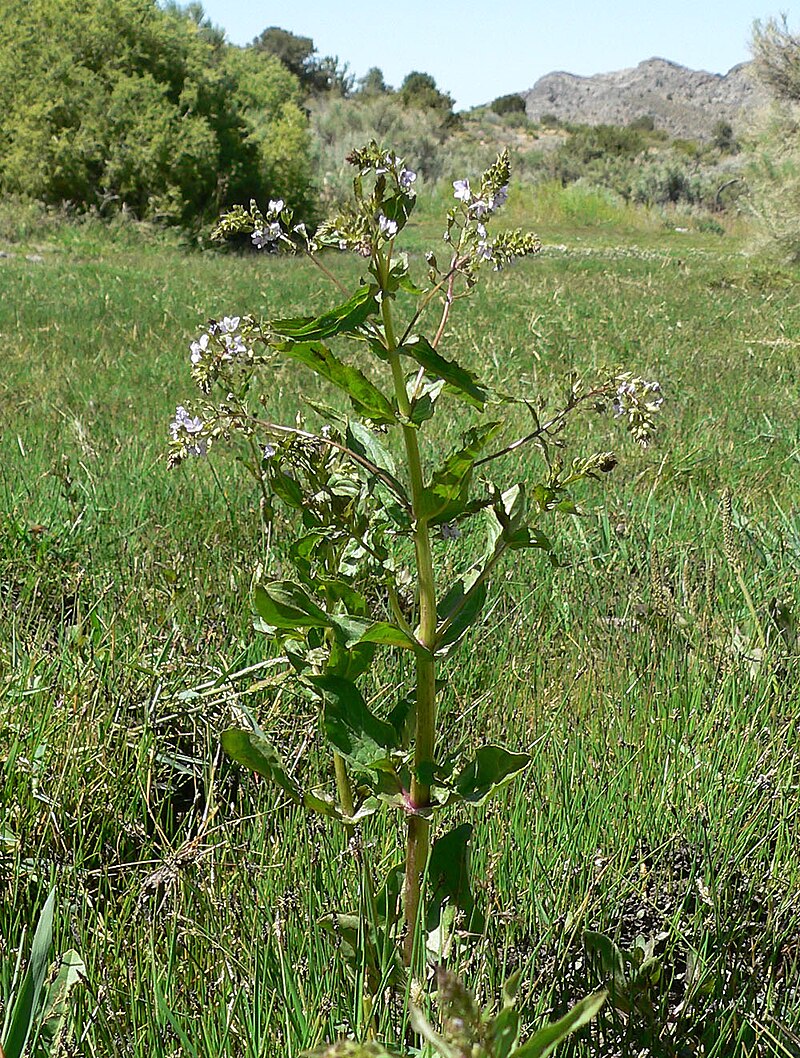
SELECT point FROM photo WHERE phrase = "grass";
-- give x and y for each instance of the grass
(662, 801)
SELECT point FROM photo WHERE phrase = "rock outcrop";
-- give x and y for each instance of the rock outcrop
(682, 102)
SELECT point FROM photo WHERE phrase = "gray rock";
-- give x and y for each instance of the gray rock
(682, 102)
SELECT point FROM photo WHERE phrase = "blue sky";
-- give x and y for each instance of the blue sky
(478, 51)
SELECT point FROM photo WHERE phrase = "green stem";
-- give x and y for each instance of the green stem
(418, 827)
(343, 787)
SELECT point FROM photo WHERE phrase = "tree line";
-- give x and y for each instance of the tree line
(125, 105)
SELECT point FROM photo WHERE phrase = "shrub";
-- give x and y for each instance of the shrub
(510, 104)
(142, 108)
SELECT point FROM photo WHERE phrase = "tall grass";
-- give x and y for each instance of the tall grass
(662, 800)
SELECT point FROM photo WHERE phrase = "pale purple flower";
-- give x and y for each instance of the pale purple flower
(405, 178)
(228, 324)
(199, 348)
(479, 207)
(188, 427)
(461, 190)
(269, 451)
(234, 346)
(484, 251)
(387, 227)
(500, 197)
(449, 531)
(384, 166)
(267, 236)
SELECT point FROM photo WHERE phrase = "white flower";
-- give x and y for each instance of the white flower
(387, 227)
(405, 178)
(228, 324)
(461, 190)
(269, 451)
(198, 349)
(275, 205)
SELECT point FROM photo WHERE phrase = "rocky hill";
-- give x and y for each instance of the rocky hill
(683, 102)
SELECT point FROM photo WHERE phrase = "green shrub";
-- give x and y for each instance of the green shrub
(510, 104)
(143, 109)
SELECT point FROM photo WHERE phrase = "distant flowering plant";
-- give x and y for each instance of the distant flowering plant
(374, 519)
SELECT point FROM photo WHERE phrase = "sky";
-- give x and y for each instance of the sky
(478, 51)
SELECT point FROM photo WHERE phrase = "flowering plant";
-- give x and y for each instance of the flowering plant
(369, 513)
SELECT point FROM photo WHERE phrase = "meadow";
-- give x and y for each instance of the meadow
(652, 675)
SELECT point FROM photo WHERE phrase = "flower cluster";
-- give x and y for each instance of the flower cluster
(268, 234)
(225, 343)
(187, 436)
(637, 401)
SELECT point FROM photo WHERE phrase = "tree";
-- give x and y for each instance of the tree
(419, 90)
(298, 55)
(295, 52)
(510, 104)
(372, 83)
(143, 107)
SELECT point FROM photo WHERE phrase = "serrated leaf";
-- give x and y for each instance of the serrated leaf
(546, 1040)
(344, 319)
(492, 768)
(460, 382)
(359, 735)
(283, 604)
(448, 491)
(365, 397)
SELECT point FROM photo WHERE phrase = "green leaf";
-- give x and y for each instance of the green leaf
(283, 604)
(465, 601)
(504, 1032)
(26, 1005)
(459, 381)
(253, 751)
(286, 489)
(344, 319)
(610, 956)
(448, 492)
(350, 1049)
(359, 735)
(366, 398)
(492, 768)
(364, 442)
(71, 971)
(390, 635)
(546, 1040)
(449, 883)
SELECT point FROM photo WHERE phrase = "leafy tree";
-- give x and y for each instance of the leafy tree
(372, 83)
(510, 104)
(295, 52)
(298, 54)
(142, 107)
(419, 90)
